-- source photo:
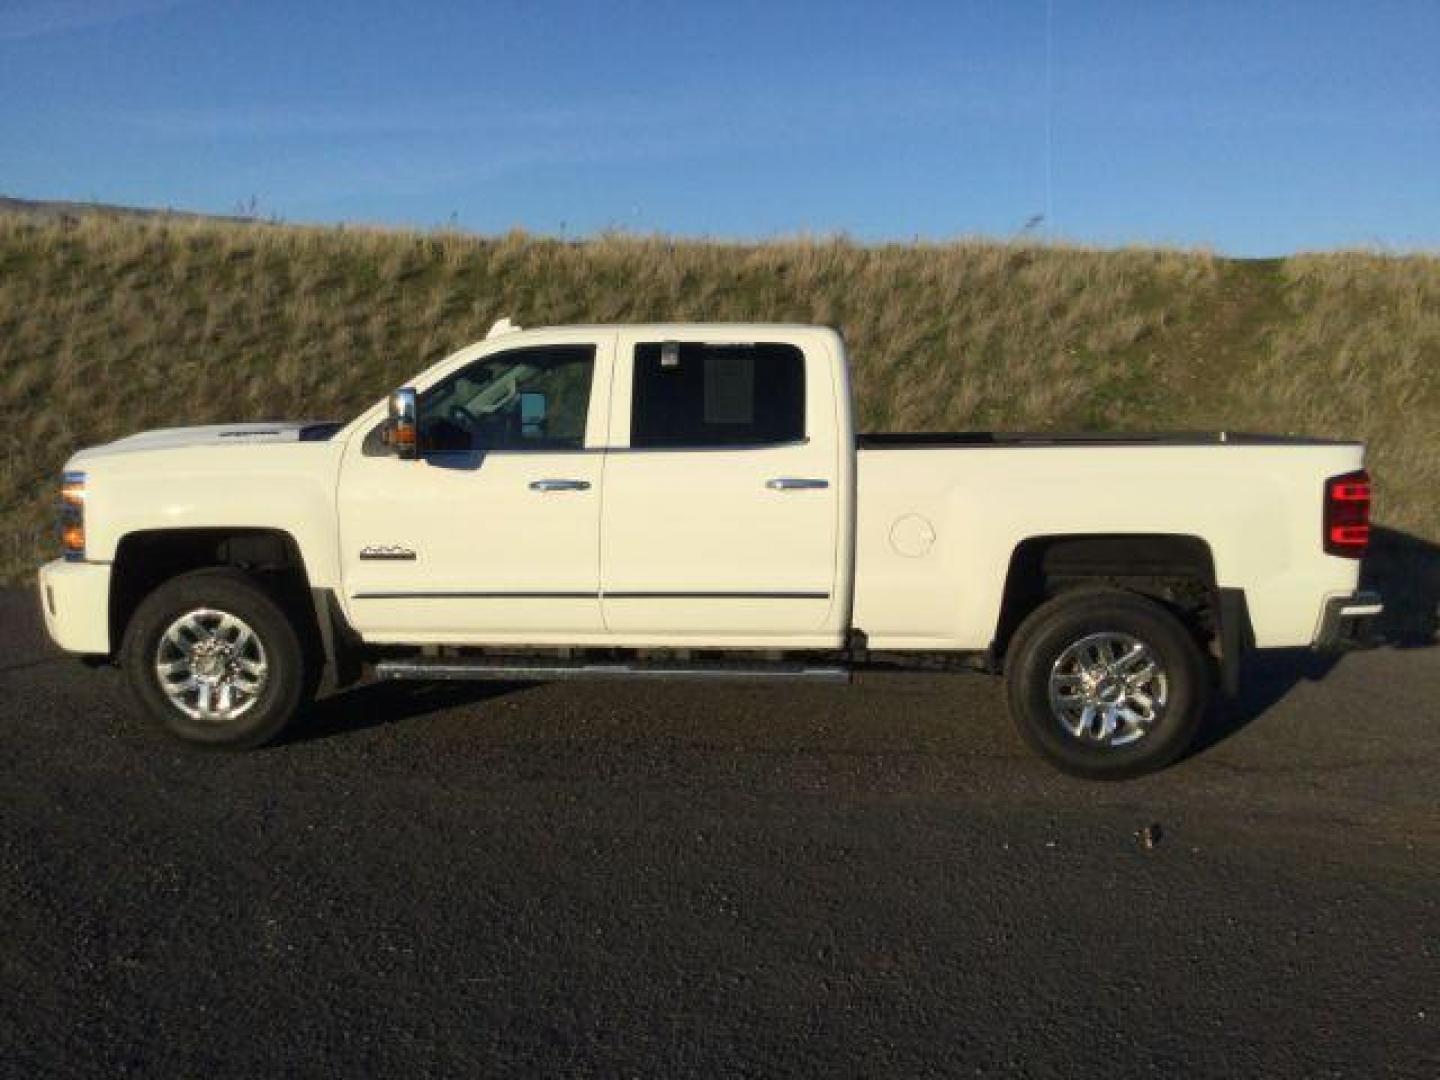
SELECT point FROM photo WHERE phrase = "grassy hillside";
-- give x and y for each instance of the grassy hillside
(109, 325)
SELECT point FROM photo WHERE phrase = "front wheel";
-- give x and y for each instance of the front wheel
(1106, 684)
(215, 660)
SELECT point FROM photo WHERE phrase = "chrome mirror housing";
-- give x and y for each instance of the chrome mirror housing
(402, 432)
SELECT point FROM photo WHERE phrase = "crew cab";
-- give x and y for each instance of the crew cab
(692, 501)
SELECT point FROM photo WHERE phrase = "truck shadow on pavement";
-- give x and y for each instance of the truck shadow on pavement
(1404, 570)
(379, 704)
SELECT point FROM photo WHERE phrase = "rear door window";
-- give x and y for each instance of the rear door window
(695, 395)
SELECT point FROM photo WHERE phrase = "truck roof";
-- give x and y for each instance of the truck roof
(505, 326)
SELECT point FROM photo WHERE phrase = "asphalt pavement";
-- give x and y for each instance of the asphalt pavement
(674, 880)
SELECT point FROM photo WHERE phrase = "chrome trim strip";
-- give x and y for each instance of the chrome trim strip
(715, 595)
(522, 595)
(475, 596)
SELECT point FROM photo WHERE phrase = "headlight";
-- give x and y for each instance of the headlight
(72, 515)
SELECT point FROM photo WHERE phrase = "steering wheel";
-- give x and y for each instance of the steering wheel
(461, 418)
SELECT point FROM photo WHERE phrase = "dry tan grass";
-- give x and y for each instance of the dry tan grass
(109, 326)
(1360, 351)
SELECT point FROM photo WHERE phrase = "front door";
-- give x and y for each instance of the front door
(492, 535)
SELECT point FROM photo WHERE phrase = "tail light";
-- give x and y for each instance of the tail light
(1347, 514)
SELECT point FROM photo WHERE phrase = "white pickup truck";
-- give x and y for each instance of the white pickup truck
(692, 501)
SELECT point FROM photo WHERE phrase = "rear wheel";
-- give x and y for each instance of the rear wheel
(1106, 684)
(215, 660)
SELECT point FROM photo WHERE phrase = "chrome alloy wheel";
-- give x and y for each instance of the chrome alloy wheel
(1108, 689)
(211, 665)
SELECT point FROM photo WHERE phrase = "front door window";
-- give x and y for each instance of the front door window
(522, 400)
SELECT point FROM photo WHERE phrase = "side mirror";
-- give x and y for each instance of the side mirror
(402, 432)
(533, 407)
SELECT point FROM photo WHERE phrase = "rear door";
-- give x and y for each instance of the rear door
(723, 491)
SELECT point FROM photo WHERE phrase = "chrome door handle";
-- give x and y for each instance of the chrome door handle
(796, 483)
(559, 485)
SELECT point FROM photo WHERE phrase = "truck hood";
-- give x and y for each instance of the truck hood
(284, 431)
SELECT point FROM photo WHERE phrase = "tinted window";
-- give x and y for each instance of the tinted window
(717, 395)
(525, 399)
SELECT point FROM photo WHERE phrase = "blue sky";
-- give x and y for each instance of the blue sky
(1249, 127)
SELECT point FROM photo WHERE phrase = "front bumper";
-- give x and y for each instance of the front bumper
(75, 597)
(1348, 622)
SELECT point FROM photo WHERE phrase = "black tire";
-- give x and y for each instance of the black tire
(286, 683)
(1064, 622)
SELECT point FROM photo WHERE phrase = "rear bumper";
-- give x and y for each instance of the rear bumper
(75, 597)
(1348, 622)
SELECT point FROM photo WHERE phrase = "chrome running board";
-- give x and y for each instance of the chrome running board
(506, 670)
